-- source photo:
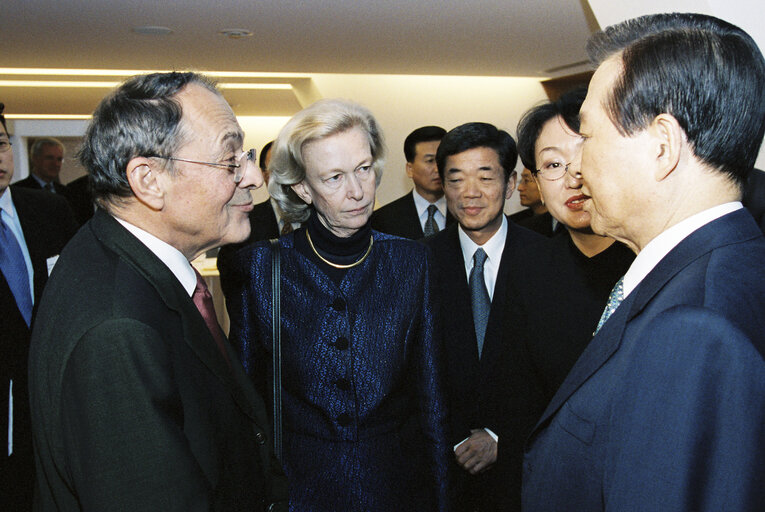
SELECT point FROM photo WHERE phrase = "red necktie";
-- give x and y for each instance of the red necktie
(203, 301)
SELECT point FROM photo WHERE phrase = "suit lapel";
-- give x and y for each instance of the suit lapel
(410, 213)
(494, 335)
(731, 228)
(195, 331)
(457, 293)
(31, 220)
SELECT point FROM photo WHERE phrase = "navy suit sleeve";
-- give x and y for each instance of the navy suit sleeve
(692, 429)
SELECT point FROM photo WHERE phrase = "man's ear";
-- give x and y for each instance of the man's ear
(409, 169)
(541, 194)
(302, 192)
(668, 140)
(511, 182)
(143, 178)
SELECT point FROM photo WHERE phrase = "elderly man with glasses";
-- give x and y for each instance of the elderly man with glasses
(138, 402)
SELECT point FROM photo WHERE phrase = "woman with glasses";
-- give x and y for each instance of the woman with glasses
(362, 407)
(575, 284)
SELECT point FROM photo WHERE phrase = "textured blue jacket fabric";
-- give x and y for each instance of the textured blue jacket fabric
(363, 409)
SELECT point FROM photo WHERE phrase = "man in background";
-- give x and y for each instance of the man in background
(535, 217)
(34, 227)
(45, 157)
(138, 401)
(422, 212)
(664, 410)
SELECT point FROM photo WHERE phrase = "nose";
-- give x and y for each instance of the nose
(252, 177)
(353, 187)
(472, 188)
(573, 176)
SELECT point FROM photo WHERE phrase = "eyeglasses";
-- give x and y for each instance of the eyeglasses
(237, 169)
(555, 171)
(5, 145)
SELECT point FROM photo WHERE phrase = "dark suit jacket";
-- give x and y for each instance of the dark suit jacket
(47, 224)
(485, 393)
(30, 182)
(400, 218)
(541, 224)
(665, 408)
(133, 405)
(754, 196)
(80, 199)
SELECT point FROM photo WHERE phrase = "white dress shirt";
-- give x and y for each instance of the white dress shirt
(660, 246)
(493, 249)
(422, 210)
(169, 255)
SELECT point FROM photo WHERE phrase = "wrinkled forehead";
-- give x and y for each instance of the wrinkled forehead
(207, 115)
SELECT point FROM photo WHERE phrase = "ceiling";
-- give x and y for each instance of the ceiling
(291, 40)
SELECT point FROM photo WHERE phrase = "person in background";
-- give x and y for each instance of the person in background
(535, 217)
(45, 156)
(422, 212)
(363, 409)
(138, 401)
(664, 408)
(476, 262)
(34, 227)
(584, 266)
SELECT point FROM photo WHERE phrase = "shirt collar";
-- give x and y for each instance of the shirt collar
(422, 204)
(169, 255)
(6, 203)
(660, 246)
(493, 247)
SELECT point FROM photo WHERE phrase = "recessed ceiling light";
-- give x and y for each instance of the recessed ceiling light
(236, 33)
(151, 30)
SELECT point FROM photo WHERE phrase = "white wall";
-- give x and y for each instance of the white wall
(402, 103)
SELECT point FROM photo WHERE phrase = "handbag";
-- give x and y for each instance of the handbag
(277, 346)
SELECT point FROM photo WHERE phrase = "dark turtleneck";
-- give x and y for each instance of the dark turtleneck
(343, 251)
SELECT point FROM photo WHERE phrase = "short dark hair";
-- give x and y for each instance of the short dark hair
(141, 118)
(2, 117)
(263, 155)
(705, 72)
(423, 134)
(530, 125)
(478, 135)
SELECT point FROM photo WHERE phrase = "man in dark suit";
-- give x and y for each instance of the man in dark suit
(665, 408)
(138, 401)
(475, 261)
(422, 212)
(45, 156)
(36, 226)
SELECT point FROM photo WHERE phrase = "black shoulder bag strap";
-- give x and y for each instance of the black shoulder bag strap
(277, 345)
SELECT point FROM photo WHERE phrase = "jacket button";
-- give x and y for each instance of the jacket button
(343, 384)
(338, 305)
(260, 438)
(341, 343)
(344, 419)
